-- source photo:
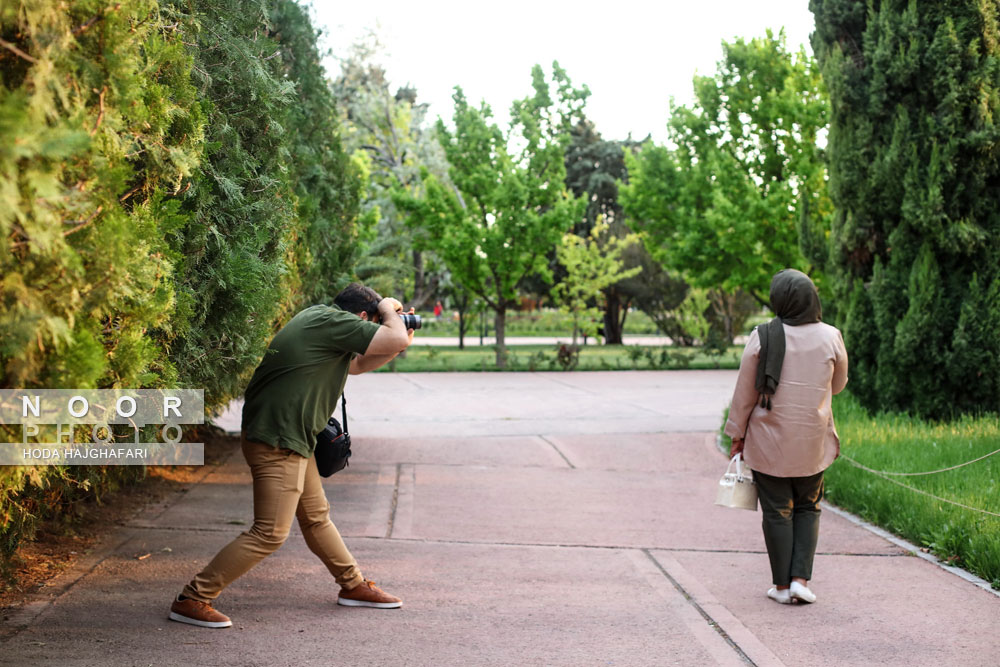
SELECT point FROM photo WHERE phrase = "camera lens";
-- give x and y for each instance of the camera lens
(410, 321)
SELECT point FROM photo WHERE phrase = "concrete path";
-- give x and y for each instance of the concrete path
(526, 519)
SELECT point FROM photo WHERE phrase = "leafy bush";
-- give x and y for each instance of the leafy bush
(108, 130)
(174, 190)
(915, 91)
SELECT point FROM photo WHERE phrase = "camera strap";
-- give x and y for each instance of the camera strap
(343, 408)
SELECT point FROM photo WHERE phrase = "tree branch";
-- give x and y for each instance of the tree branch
(80, 29)
(100, 116)
(16, 51)
(85, 222)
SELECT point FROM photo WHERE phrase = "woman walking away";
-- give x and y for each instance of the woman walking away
(782, 422)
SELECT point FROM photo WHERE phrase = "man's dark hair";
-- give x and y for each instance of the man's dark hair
(357, 299)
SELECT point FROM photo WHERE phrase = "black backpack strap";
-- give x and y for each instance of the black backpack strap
(343, 407)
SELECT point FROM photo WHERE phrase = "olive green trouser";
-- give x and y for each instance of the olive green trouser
(790, 506)
(285, 485)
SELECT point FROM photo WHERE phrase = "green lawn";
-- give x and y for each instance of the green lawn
(535, 323)
(546, 358)
(899, 443)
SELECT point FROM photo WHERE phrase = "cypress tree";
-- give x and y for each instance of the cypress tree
(172, 186)
(327, 185)
(230, 252)
(864, 344)
(914, 176)
(101, 130)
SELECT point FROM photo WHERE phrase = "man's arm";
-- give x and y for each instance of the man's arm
(390, 339)
(369, 362)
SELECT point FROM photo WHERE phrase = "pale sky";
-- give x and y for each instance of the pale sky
(634, 56)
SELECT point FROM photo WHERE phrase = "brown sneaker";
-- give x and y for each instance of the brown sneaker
(198, 613)
(368, 595)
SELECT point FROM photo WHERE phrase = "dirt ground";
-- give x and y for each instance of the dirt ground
(58, 546)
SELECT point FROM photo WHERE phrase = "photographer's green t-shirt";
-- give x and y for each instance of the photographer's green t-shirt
(295, 389)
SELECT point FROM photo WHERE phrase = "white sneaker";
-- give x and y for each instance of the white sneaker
(781, 597)
(801, 593)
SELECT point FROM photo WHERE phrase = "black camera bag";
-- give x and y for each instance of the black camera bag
(333, 445)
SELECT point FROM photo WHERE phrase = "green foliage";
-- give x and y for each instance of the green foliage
(914, 175)
(592, 265)
(240, 211)
(743, 193)
(327, 184)
(106, 130)
(901, 443)
(102, 129)
(173, 185)
(474, 358)
(387, 133)
(508, 206)
(859, 328)
(975, 348)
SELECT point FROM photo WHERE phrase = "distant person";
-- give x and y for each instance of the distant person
(291, 395)
(782, 421)
(438, 309)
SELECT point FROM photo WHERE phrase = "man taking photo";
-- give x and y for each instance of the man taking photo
(287, 403)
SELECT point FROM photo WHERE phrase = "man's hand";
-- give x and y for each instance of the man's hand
(736, 448)
(391, 337)
(409, 332)
(388, 307)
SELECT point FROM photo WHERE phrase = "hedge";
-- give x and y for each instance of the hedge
(172, 189)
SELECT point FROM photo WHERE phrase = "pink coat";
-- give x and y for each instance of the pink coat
(796, 438)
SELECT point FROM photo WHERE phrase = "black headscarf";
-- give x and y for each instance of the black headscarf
(795, 301)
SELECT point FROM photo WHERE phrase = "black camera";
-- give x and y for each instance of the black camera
(410, 321)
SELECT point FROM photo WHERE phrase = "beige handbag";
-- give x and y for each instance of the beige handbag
(737, 489)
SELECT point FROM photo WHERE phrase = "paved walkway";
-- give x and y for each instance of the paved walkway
(526, 519)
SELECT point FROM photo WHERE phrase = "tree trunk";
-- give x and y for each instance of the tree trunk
(621, 322)
(462, 305)
(418, 279)
(461, 328)
(613, 321)
(424, 286)
(501, 347)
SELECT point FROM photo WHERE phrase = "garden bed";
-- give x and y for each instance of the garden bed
(550, 358)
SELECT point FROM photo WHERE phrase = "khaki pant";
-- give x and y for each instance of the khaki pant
(285, 484)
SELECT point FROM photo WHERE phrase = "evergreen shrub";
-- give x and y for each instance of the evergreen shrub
(915, 177)
(172, 189)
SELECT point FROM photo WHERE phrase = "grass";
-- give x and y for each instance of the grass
(546, 358)
(900, 443)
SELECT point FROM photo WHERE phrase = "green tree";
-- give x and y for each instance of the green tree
(388, 132)
(594, 168)
(101, 130)
(509, 205)
(915, 91)
(327, 184)
(140, 252)
(271, 216)
(726, 206)
(592, 264)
